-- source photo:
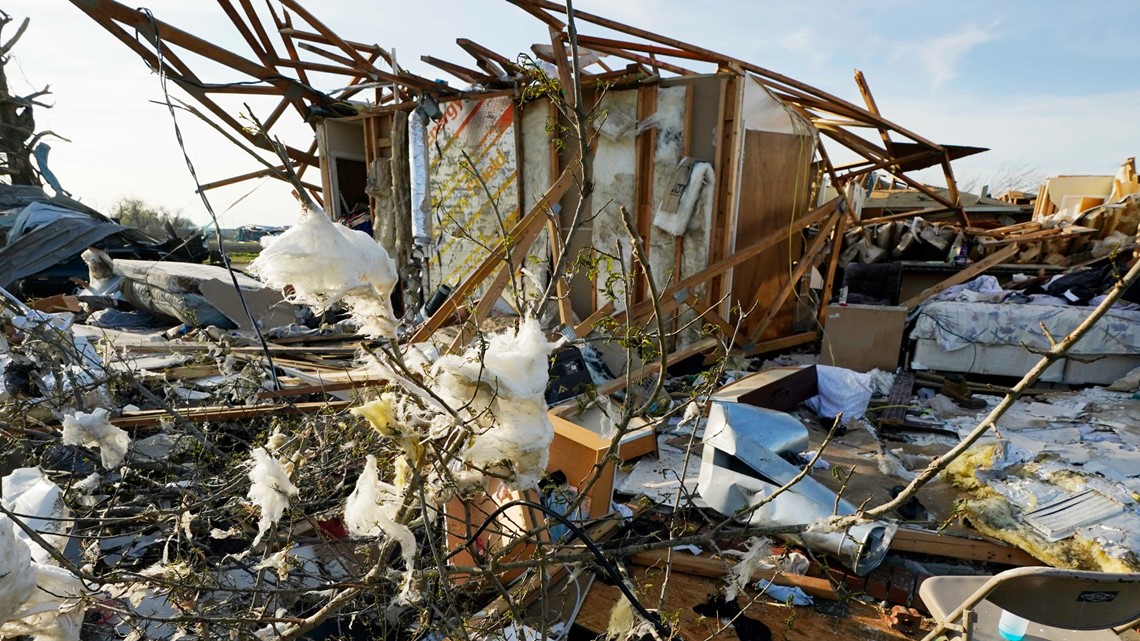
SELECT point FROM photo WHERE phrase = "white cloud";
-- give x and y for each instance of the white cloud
(805, 41)
(939, 57)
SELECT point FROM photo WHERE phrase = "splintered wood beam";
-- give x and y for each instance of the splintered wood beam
(590, 41)
(794, 278)
(225, 182)
(865, 90)
(239, 22)
(299, 34)
(290, 46)
(766, 74)
(551, 21)
(867, 166)
(952, 189)
(493, 63)
(565, 77)
(964, 275)
(493, 260)
(328, 33)
(461, 72)
(832, 264)
(622, 53)
(147, 25)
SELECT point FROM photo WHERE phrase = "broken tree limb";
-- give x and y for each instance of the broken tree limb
(699, 566)
(1056, 353)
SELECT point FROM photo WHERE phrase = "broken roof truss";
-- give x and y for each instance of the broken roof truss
(286, 66)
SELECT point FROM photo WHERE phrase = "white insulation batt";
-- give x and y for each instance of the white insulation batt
(614, 167)
(371, 510)
(326, 263)
(95, 430)
(270, 490)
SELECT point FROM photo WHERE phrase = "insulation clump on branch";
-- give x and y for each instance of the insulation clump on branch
(501, 389)
(371, 510)
(270, 491)
(95, 430)
(325, 263)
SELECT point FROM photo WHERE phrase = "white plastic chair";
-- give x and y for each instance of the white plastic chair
(1061, 605)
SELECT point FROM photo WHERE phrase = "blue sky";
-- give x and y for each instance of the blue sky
(1047, 86)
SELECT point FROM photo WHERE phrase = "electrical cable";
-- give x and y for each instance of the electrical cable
(576, 532)
(162, 79)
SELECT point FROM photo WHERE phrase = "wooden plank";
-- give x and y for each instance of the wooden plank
(942, 544)
(585, 327)
(793, 282)
(832, 265)
(779, 344)
(520, 247)
(493, 260)
(686, 563)
(148, 418)
(644, 145)
(565, 77)
(964, 275)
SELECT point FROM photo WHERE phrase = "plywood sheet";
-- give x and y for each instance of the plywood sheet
(774, 186)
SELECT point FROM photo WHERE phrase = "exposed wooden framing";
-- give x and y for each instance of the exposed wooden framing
(298, 34)
(645, 144)
(492, 262)
(587, 326)
(865, 91)
(487, 60)
(964, 275)
(622, 53)
(592, 41)
(521, 240)
(565, 75)
(794, 281)
(770, 77)
(459, 71)
(832, 264)
(738, 257)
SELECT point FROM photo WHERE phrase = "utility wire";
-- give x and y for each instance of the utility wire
(162, 79)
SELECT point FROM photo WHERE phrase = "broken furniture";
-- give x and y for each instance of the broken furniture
(1061, 605)
(477, 529)
(778, 388)
(742, 464)
(580, 447)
